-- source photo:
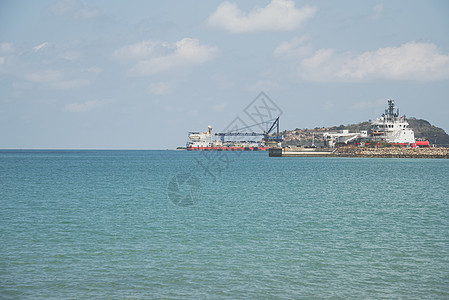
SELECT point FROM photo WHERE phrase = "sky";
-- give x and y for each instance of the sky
(106, 74)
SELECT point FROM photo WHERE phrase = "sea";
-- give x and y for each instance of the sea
(162, 224)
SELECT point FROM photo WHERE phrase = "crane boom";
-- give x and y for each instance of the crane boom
(265, 134)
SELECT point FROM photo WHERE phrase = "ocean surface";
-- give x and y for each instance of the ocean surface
(221, 225)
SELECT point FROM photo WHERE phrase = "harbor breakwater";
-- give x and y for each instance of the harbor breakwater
(389, 152)
(392, 152)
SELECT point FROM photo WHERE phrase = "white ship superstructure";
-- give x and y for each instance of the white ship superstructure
(201, 139)
(392, 128)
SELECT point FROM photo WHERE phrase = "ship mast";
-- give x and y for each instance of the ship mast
(389, 112)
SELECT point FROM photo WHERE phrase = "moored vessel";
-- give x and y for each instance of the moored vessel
(243, 141)
(390, 128)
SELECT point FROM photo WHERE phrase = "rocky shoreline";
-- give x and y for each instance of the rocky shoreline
(391, 152)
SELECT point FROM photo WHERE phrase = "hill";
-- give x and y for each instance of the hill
(426, 131)
(422, 128)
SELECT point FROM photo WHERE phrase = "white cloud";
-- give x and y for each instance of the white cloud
(294, 48)
(160, 88)
(140, 50)
(39, 47)
(319, 59)
(2, 60)
(278, 15)
(156, 57)
(84, 106)
(44, 76)
(410, 61)
(74, 9)
(6, 48)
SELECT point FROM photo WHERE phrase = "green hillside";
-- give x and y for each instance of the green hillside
(426, 131)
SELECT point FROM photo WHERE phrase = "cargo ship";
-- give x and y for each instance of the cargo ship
(208, 141)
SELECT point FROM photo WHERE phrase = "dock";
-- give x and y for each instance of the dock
(299, 152)
(351, 151)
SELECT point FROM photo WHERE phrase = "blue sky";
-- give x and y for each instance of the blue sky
(141, 74)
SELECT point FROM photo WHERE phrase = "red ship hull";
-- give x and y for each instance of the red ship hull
(227, 148)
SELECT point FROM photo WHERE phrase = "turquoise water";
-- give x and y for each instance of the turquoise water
(115, 224)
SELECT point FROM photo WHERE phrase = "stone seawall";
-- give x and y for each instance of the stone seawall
(391, 152)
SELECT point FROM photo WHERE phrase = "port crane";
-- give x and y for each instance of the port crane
(267, 136)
